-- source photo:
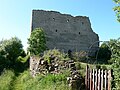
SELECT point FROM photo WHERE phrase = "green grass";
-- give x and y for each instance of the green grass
(8, 81)
(24, 81)
(82, 67)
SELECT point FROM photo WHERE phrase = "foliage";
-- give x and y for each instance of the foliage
(10, 50)
(117, 9)
(79, 56)
(78, 66)
(54, 53)
(104, 53)
(22, 63)
(49, 82)
(23, 59)
(37, 42)
(6, 79)
(115, 60)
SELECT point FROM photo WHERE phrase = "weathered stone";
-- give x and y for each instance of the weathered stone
(71, 61)
(65, 32)
(71, 65)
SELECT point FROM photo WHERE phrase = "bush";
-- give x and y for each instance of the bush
(6, 79)
(22, 63)
(78, 66)
(115, 60)
(54, 54)
(79, 56)
(49, 82)
(37, 42)
(104, 53)
(10, 50)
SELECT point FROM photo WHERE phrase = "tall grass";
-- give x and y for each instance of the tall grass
(48, 82)
(6, 79)
(24, 81)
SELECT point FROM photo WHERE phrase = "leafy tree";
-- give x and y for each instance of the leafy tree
(104, 53)
(115, 46)
(117, 9)
(10, 50)
(37, 42)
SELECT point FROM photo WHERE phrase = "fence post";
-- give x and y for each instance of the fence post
(105, 76)
(102, 80)
(99, 79)
(109, 80)
(91, 83)
(86, 78)
(93, 79)
(96, 79)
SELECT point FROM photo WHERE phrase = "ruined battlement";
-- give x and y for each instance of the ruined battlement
(64, 31)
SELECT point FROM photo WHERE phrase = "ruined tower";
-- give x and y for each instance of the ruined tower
(65, 32)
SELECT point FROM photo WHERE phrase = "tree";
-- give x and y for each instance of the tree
(115, 59)
(117, 9)
(104, 53)
(10, 50)
(37, 42)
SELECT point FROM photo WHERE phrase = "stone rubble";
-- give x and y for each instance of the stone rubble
(41, 66)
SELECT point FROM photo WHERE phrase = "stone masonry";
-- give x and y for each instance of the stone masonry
(65, 32)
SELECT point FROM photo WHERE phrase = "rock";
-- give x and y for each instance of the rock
(71, 65)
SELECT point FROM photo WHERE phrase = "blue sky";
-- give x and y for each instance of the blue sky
(15, 16)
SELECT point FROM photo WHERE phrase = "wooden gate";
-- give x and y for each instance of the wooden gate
(97, 79)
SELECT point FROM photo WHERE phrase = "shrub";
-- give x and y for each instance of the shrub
(48, 82)
(104, 53)
(80, 56)
(78, 66)
(54, 54)
(37, 42)
(10, 50)
(22, 63)
(115, 60)
(6, 79)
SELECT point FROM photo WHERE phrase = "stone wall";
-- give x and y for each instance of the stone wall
(40, 66)
(63, 31)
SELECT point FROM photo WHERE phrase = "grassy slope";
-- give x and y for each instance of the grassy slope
(8, 80)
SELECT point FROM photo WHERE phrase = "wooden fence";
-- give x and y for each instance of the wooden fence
(97, 79)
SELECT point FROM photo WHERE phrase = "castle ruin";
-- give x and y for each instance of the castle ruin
(65, 32)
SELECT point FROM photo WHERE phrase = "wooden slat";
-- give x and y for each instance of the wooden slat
(93, 79)
(102, 80)
(96, 79)
(105, 76)
(109, 80)
(86, 79)
(91, 83)
(99, 79)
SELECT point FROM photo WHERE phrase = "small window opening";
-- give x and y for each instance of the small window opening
(69, 53)
(54, 19)
(67, 20)
(79, 32)
(56, 30)
(82, 23)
